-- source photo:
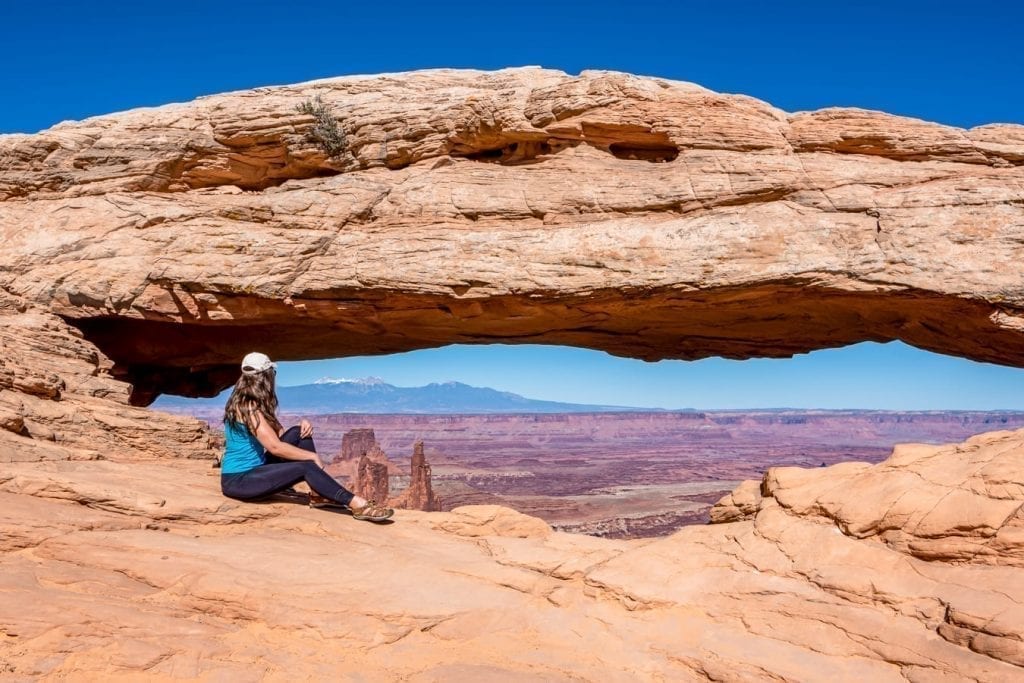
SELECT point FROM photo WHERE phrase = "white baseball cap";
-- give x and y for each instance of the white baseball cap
(256, 362)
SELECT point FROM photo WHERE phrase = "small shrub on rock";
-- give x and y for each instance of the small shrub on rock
(325, 131)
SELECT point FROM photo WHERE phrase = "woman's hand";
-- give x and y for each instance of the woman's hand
(305, 429)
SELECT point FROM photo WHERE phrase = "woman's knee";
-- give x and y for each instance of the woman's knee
(292, 435)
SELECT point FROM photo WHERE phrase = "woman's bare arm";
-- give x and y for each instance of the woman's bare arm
(305, 429)
(269, 439)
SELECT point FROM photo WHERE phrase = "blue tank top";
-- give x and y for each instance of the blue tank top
(242, 450)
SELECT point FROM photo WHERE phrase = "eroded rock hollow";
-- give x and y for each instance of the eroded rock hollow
(640, 216)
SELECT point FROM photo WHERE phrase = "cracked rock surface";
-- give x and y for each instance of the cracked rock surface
(144, 252)
(644, 217)
(141, 568)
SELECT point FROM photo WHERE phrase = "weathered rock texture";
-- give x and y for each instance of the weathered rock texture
(369, 470)
(356, 443)
(372, 480)
(905, 571)
(55, 389)
(419, 495)
(641, 216)
(363, 465)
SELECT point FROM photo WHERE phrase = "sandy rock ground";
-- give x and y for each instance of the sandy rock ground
(144, 252)
(142, 570)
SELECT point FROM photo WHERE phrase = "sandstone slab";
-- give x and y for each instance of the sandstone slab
(142, 570)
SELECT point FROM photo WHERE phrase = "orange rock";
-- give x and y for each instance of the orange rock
(55, 387)
(356, 443)
(372, 479)
(791, 593)
(419, 495)
(741, 504)
(639, 216)
(145, 251)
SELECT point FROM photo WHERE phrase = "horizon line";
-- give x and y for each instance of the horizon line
(634, 410)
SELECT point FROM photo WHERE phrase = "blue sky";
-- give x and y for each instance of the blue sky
(957, 63)
(882, 376)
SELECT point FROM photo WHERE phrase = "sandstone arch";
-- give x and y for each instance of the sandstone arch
(643, 217)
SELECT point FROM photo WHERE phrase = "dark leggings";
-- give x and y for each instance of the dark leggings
(279, 474)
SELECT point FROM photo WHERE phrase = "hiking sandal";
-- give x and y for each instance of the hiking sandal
(371, 512)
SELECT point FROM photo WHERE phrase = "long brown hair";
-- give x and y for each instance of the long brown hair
(253, 397)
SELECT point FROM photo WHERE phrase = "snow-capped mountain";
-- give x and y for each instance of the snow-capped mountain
(374, 395)
(345, 380)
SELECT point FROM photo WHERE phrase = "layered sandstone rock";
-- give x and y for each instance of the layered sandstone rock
(740, 504)
(955, 504)
(141, 569)
(55, 389)
(419, 495)
(641, 216)
(356, 443)
(372, 480)
(365, 465)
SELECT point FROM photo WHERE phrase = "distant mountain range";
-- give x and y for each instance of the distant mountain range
(374, 395)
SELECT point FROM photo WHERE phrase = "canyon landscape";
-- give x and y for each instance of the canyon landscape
(146, 252)
(614, 474)
(637, 475)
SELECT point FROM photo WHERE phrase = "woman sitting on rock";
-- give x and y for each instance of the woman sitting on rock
(261, 458)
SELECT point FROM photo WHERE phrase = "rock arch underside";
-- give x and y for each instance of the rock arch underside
(144, 252)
